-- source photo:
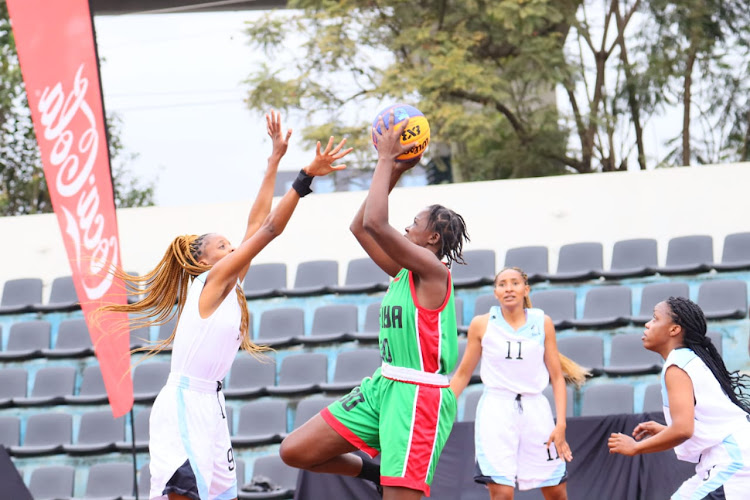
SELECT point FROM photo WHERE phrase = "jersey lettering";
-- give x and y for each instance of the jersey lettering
(352, 399)
(519, 350)
(391, 317)
(230, 459)
(549, 455)
(385, 351)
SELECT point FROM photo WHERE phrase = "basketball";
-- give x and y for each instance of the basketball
(417, 130)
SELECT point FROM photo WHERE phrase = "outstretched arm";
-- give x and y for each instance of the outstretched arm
(262, 204)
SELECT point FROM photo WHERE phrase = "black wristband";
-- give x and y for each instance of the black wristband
(302, 184)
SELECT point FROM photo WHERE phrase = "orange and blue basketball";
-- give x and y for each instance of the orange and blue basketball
(417, 130)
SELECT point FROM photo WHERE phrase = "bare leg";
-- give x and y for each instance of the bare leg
(316, 447)
(557, 492)
(500, 491)
(399, 493)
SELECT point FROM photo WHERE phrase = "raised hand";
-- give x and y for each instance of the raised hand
(322, 163)
(561, 445)
(647, 429)
(389, 139)
(273, 127)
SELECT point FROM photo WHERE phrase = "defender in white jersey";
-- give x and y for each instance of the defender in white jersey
(190, 450)
(516, 439)
(707, 415)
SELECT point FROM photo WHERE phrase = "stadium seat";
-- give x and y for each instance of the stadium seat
(471, 400)
(148, 379)
(62, 297)
(606, 307)
(652, 400)
(52, 482)
(281, 327)
(10, 431)
(97, 433)
(308, 407)
(559, 305)
(734, 257)
(653, 293)
(332, 323)
(351, 368)
(109, 481)
(26, 339)
(144, 484)
(533, 260)
(261, 422)
(165, 331)
(578, 261)
(301, 374)
(363, 276)
(723, 299)
(314, 277)
(688, 254)
(475, 378)
(607, 399)
(264, 280)
(371, 331)
(478, 270)
(21, 295)
(586, 350)
(51, 385)
(46, 433)
(140, 337)
(73, 340)
(250, 376)
(92, 390)
(13, 382)
(549, 394)
(633, 258)
(716, 340)
(271, 469)
(483, 303)
(240, 471)
(141, 428)
(629, 357)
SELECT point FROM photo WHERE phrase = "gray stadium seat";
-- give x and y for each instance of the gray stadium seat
(141, 433)
(688, 254)
(261, 422)
(148, 379)
(716, 340)
(314, 277)
(471, 400)
(723, 299)
(633, 258)
(308, 407)
(10, 431)
(52, 482)
(332, 323)
(264, 280)
(73, 340)
(578, 261)
(475, 378)
(629, 357)
(483, 303)
(281, 327)
(240, 470)
(549, 394)
(21, 295)
(351, 368)
(371, 330)
(363, 276)
(26, 339)
(586, 350)
(109, 481)
(97, 433)
(559, 305)
(479, 269)
(46, 433)
(652, 400)
(653, 293)
(271, 468)
(301, 374)
(51, 385)
(166, 330)
(140, 336)
(736, 253)
(92, 390)
(606, 307)
(13, 382)
(533, 260)
(62, 296)
(144, 484)
(607, 399)
(250, 376)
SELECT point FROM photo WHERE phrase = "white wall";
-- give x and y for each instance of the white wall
(550, 211)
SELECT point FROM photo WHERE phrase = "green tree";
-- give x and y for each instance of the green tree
(24, 189)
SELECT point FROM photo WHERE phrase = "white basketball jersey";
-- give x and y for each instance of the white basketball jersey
(514, 359)
(205, 348)
(716, 417)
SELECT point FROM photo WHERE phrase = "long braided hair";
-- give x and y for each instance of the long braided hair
(689, 316)
(166, 285)
(452, 229)
(573, 372)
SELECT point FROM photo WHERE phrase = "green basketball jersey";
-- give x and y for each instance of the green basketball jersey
(414, 337)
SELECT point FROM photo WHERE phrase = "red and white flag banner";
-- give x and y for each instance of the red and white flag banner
(57, 53)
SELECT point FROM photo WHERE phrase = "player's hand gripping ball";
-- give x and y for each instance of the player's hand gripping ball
(418, 129)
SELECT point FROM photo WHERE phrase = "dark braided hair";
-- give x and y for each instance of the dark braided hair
(688, 315)
(197, 246)
(452, 230)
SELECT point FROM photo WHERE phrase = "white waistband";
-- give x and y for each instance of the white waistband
(193, 383)
(506, 394)
(403, 374)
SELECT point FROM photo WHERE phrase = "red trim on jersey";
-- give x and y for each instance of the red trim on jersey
(346, 433)
(428, 328)
(403, 482)
(422, 439)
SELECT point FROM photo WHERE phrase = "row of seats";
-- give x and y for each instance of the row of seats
(576, 261)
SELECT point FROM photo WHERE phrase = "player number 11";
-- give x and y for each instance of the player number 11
(519, 350)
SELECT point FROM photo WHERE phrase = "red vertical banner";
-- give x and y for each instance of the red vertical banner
(57, 54)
